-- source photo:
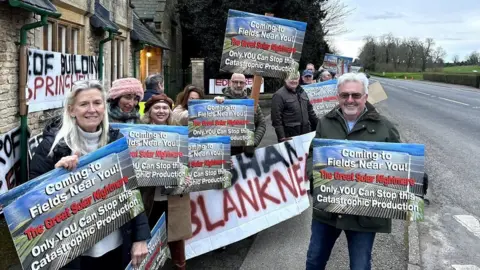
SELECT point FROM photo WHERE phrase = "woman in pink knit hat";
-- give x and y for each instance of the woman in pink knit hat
(123, 99)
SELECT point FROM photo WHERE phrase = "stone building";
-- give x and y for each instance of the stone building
(55, 30)
(161, 16)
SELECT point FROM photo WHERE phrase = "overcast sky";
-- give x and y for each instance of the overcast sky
(454, 25)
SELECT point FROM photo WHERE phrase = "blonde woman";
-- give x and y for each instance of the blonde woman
(177, 208)
(83, 129)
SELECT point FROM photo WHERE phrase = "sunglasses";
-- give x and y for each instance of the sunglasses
(347, 95)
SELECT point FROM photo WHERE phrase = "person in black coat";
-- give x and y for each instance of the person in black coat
(83, 129)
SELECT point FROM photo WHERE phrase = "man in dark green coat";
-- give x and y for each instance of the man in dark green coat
(353, 119)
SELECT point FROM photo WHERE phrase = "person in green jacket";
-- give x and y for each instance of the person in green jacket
(353, 119)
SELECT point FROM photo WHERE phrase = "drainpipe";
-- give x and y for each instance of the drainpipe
(23, 71)
(111, 34)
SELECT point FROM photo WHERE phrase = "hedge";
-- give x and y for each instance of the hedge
(454, 78)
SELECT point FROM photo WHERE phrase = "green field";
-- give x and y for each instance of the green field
(462, 69)
(419, 75)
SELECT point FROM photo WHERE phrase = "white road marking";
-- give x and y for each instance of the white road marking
(476, 107)
(471, 223)
(426, 94)
(454, 101)
(465, 267)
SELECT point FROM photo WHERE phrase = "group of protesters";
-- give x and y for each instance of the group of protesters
(84, 127)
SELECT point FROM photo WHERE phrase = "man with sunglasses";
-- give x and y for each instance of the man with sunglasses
(353, 119)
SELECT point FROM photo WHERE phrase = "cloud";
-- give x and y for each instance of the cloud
(439, 21)
(385, 15)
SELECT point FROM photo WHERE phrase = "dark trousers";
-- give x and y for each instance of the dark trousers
(360, 245)
(110, 260)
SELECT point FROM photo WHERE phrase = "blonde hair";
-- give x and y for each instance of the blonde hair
(146, 119)
(69, 131)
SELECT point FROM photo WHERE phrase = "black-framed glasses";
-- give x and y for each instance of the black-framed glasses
(347, 95)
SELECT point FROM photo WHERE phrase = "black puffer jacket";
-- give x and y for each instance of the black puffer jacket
(292, 113)
(133, 231)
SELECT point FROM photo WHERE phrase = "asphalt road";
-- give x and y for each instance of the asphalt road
(446, 119)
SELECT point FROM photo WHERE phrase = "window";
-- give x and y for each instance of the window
(74, 41)
(120, 58)
(62, 37)
(48, 37)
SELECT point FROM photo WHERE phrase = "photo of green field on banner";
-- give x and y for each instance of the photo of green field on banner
(372, 179)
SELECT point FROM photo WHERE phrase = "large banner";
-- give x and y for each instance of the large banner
(51, 75)
(233, 118)
(9, 159)
(58, 216)
(374, 179)
(261, 45)
(157, 248)
(159, 153)
(267, 189)
(217, 85)
(337, 64)
(322, 96)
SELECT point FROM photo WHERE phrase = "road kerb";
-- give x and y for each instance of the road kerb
(413, 245)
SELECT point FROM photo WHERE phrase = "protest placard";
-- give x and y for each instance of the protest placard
(337, 64)
(375, 179)
(157, 248)
(209, 164)
(59, 215)
(322, 96)
(266, 190)
(261, 45)
(51, 75)
(159, 153)
(233, 118)
(9, 159)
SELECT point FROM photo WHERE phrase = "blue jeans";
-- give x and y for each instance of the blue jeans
(323, 239)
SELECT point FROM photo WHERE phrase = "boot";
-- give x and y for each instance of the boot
(177, 251)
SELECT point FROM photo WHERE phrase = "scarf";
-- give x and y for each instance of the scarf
(117, 115)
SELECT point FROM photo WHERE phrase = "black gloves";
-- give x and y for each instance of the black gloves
(249, 151)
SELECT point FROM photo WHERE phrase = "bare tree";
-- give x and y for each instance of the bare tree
(426, 50)
(389, 53)
(473, 58)
(456, 59)
(438, 55)
(336, 14)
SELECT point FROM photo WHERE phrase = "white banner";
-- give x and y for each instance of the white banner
(216, 85)
(9, 159)
(268, 189)
(52, 74)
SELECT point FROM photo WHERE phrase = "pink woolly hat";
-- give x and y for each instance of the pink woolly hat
(125, 86)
